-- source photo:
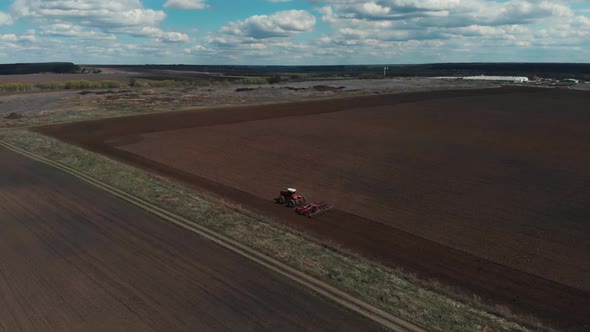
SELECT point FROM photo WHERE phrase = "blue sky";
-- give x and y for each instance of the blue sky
(274, 32)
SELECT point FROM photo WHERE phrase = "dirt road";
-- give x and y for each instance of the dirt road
(75, 258)
(480, 189)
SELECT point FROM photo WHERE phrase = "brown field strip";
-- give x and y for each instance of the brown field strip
(484, 190)
(73, 257)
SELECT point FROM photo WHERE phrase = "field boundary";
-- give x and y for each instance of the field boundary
(31, 122)
(342, 298)
(182, 109)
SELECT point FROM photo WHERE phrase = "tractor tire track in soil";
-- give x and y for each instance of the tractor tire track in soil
(514, 147)
(73, 257)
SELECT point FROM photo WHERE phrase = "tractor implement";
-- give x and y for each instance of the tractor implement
(314, 209)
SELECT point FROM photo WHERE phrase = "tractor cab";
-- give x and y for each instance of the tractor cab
(287, 194)
(290, 197)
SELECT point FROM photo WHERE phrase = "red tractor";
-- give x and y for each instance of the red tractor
(313, 209)
(290, 197)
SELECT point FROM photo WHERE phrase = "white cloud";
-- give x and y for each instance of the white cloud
(373, 9)
(28, 36)
(5, 19)
(280, 24)
(407, 31)
(186, 4)
(257, 38)
(123, 16)
(10, 37)
(174, 37)
(404, 20)
(75, 31)
(355, 31)
(413, 31)
(198, 49)
(449, 13)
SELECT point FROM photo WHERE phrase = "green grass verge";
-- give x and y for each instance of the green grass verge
(390, 289)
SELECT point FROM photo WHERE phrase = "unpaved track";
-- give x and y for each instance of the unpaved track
(73, 257)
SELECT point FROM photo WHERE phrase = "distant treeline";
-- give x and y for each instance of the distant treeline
(237, 71)
(553, 70)
(38, 68)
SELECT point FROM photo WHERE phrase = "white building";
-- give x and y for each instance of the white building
(570, 80)
(515, 79)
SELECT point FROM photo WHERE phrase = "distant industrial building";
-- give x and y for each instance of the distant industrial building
(570, 80)
(515, 79)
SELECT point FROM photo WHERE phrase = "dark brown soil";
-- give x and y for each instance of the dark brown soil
(74, 258)
(14, 116)
(324, 88)
(244, 89)
(293, 89)
(484, 190)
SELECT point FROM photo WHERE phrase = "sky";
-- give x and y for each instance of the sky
(294, 32)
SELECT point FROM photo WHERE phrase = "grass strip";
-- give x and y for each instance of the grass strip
(389, 289)
(59, 116)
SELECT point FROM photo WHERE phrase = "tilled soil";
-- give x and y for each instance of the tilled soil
(486, 190)
(74, 258)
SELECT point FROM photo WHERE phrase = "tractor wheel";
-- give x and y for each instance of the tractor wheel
(291, 203)
(281, 200)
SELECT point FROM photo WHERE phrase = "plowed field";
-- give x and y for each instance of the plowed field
(487, 190)
(74, 258)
